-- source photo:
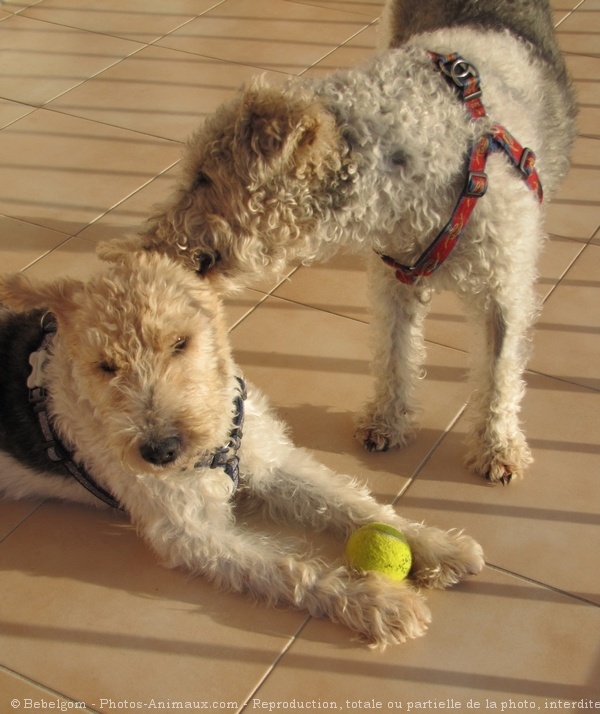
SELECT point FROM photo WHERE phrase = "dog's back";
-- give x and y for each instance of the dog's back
(530, 20)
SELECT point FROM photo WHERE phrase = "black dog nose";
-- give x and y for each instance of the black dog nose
(162, 452)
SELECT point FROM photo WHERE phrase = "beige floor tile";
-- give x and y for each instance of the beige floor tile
(158, 91)
(567, 337)
(15, 6)
(129, 215)
(494, 640)
(41, 60)
(11, 111)
(62, 172)
(585, 71)
(584, 21)
(358, 50)
(573, 219)
(241, 305)
(372, 9)
(564, 4)
(581, 186)
(582, 67)
(556, 259)
(277, 35)
(558, 17)
(588, 121)
(139, 20)
(12, 514)
(23, 243)
(587, 92)
(578, 33)
(545, 526)
(94, 616)
(75, 258)
(315, 368)
(24, 695)
(338, 286)
(574, 215)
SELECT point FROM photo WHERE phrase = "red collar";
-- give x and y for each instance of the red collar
(466, 79)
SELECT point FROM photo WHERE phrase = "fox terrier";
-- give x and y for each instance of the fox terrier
(393, 159)
(134, 401)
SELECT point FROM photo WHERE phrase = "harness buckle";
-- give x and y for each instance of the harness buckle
(477, 183)
(527, 162)
(459, 71)
(37, 395)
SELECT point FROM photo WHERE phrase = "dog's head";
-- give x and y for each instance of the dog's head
(255, 180)
(141, 369)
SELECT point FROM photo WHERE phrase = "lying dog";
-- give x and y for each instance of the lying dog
(393, 159)
(134, 400)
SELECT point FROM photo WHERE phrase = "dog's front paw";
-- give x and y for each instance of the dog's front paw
(376, 434)
(381, 611)
(443, 558)
(384, 612)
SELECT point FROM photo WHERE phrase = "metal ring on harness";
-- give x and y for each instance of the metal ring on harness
(459, 71)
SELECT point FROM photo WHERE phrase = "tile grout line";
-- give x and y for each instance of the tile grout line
(564, 274)
(274, 664)
(545, 586)
(21, 522)
(427, 458)
(46, 689)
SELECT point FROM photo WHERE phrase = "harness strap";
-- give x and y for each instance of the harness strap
(466, 80)
(55, 451)
(225, 457)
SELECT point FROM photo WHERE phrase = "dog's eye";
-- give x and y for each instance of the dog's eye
(107, 367)
(202, 179)
(180, 344)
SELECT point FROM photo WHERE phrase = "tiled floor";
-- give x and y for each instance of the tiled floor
(95, 100)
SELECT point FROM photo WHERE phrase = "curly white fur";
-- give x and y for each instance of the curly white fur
(373, 158)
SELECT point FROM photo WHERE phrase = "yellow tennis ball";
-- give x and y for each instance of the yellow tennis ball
(379, 547)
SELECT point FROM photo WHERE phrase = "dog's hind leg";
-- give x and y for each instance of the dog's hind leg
(497, 448)
(388, 419)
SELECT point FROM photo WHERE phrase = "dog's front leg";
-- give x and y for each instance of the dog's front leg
(269, 570)
(388, 419)
(497, 448)
(294, 487)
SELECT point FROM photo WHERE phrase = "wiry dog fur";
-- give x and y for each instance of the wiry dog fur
(374, 158)
(141, 386)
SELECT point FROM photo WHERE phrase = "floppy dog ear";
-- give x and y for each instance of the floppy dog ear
(20, 292)
(273, 127)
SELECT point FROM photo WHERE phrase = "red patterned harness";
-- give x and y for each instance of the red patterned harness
(465, 78)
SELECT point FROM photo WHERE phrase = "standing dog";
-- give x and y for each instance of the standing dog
(393, 159)
(134, 400)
